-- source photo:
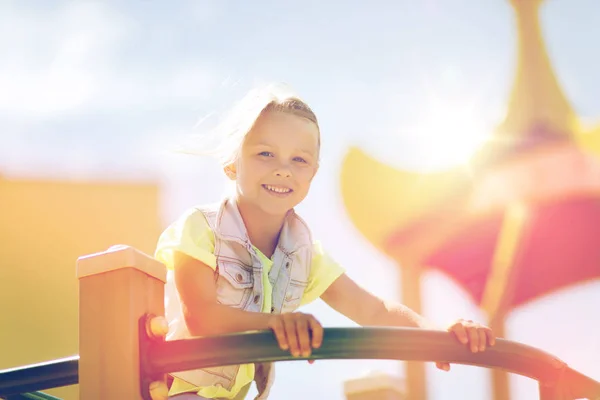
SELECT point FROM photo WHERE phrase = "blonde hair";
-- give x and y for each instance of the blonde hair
(231, 132)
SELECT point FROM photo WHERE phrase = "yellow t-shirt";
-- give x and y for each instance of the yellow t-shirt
(192, 235)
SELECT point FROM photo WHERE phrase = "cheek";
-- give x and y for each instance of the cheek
(250, 171)
(305, 174)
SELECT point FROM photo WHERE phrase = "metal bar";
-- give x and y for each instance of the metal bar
(580, 386)
(351, 343)
(362, 343)
(41, 376)
(159, 357)
(32, 396)
(551, 392)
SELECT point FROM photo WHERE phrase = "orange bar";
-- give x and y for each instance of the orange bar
(116, 288)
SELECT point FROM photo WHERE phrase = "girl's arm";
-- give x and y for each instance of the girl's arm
(195, 282)
(348, 298)
(364, 308)
(204, 316)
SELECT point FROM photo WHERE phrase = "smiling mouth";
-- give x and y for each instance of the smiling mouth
(277, 189)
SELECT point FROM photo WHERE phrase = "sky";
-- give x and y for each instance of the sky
(108, 90)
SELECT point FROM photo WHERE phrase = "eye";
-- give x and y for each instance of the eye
(300, 159)
(265, 154)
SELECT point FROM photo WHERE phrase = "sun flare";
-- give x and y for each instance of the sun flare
(448, 133)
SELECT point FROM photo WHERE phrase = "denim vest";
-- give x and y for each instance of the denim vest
(240, 285)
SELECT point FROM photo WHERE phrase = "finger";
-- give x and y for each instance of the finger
(277, 327)
(317, 332)
(460, 332)
(303, 336)
(491, 339)
(482, 339)
(473, 339)
(443, 366)
(292, 338)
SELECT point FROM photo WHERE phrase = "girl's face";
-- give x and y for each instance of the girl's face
(278, 161)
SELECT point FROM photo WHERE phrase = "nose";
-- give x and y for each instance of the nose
(283, 171)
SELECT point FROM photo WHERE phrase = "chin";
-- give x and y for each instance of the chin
(276, 210)
(278, 207)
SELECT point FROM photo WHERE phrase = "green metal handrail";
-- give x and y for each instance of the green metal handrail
(46, 375)
(556, 379)
(32, 396)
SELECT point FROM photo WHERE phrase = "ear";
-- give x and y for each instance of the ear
(230, 171)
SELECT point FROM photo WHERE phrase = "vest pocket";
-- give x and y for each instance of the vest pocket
(234, 284)
(293, 295)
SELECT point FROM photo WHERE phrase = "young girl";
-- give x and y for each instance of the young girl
(249, 262)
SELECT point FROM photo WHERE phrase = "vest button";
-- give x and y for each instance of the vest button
(256, 299)
(287, 264)
(239, 277)
(272, 309)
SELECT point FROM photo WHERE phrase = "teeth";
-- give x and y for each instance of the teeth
(278, 190)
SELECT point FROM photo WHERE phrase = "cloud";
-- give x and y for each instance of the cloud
(74, 58)
(50, 63)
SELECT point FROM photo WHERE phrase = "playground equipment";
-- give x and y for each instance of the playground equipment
(522, 209)
(123, 354)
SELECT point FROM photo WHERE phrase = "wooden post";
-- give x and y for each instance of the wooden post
(116, 288)
(378, 386)
(411, 297)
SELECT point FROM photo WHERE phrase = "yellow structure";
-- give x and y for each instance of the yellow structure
(424, 210)
(380, 198)
(44, 227)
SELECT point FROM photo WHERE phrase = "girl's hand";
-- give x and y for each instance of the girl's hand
(293, 332)
(477, 336)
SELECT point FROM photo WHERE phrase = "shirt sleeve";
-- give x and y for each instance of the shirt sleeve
(190, 235)
(324, 271)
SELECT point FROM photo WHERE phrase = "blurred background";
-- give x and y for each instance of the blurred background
(423, 107)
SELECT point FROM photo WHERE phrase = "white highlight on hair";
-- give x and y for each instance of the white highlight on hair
(224, 142)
